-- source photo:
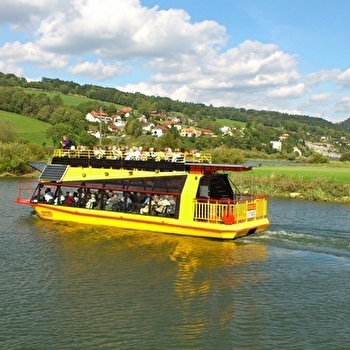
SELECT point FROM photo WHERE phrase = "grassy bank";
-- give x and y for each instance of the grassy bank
(311, 182)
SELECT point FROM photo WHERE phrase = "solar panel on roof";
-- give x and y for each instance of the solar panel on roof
(53, 172)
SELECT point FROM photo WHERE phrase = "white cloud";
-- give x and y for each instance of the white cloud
(321, 76)
(98, 71)
(288, 91)
(343, 105)
(343, 80)
(16, 52)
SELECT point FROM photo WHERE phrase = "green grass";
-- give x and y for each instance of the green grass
(308, 172)
(230, 123)
(28, 129)
(70, 100)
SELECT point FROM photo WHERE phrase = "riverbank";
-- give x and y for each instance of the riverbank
(326, 183)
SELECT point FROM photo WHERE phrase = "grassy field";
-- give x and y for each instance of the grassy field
(230, 123)
(28, 129)
(339, 172)
(70, 100)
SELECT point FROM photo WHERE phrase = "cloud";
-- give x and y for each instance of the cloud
(343, 80)
(321, 76)
(343, 105)
(98, 71)
(288, 91)
(13, 53)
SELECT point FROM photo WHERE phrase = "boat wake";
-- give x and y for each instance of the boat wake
(334, 244)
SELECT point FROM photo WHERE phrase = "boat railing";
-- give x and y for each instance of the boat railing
(178, 157)
(247, 208)
(25, 191)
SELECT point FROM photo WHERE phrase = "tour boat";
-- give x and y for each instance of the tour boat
(187, 195)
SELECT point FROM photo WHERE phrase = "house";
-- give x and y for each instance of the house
(276, 145)
(96, 117)
(125, 111)
(159, 130)
(188, 132)
(147, 127)
(205, 132)
(226, 130)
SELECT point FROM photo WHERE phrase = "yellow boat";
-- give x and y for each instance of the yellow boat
(190, 196)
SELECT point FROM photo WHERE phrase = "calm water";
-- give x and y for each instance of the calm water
(64, 286)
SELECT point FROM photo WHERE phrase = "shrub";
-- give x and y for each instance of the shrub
(345, 157)
(14, 157)
(227, 155)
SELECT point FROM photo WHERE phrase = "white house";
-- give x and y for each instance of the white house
(276, 145)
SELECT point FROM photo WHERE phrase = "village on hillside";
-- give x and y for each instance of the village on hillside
(116, 124)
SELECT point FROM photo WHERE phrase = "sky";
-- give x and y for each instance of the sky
(291, 56)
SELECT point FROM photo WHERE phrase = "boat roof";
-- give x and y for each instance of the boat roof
(64, 167)
(150, 165)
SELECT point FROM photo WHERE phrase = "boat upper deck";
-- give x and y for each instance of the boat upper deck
(199, 163)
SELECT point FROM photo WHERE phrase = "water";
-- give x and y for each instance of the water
(65, 286)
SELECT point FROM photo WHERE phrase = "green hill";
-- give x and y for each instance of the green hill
(27, 128)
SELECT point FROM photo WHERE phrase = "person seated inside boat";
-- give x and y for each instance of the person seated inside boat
(162, 205)
(69, 200)
(123, 204)
(112, 200)
(100, 200)
(59, 199)
(146, 208)
(82, 199)
(49, 196)
(90, 204)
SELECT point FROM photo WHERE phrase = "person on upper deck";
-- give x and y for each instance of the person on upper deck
(66, 144)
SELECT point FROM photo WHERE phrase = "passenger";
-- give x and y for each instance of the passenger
(145, 155)
(163, 203)
(66, 144)
(177, 156)
(112, 201)
(168, 154)
(146, 208)
(76, 198)
(48, 196)
(100, 200)
(69, 201)
(91, 202)
(123, 204)
(152, 153)
(117, 152)
(60, 199)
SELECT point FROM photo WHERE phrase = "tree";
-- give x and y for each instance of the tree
(7, 134)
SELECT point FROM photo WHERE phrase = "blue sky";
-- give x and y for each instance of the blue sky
(291, 56)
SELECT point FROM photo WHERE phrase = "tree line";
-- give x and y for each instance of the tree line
(260, 127)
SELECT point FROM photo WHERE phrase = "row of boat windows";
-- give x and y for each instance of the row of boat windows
(126, 201)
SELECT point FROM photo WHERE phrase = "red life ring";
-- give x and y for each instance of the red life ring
(228, 218)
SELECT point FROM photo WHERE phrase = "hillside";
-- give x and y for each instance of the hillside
(64, 104)
(27, 128)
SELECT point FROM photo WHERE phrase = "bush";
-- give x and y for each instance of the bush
(318, 158)
(14, 157)
(345, 157)
(227, 155)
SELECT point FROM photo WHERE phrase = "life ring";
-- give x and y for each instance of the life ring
(228, 218)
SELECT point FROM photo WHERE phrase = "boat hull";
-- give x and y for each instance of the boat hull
(148, 222)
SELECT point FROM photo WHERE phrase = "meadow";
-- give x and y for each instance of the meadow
(335, 171)
(27, 128)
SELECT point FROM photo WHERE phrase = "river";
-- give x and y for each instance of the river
(65, 286)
